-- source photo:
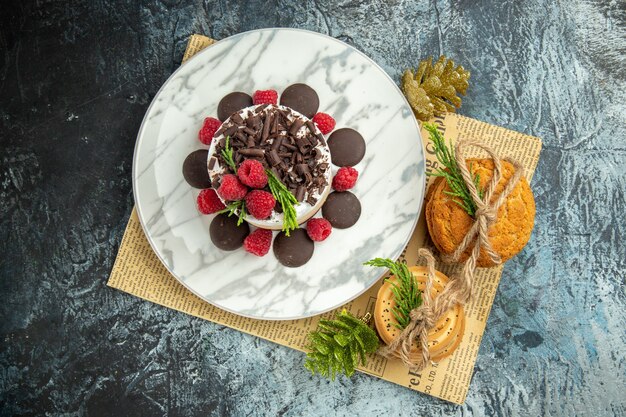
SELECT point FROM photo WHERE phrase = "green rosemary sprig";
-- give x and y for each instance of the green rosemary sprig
(339, 345)
(452, 173)
(286, 199)
(227, 154)
(236, 207)
(405, 292)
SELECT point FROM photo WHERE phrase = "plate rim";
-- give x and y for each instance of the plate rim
(135, 166)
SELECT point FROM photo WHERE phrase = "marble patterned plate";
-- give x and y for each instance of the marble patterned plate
(358, 94)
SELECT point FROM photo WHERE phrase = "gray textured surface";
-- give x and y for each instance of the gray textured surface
(74, 83)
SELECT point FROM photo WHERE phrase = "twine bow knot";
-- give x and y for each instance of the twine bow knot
(459, 289)
(420, 315)
(488, 213)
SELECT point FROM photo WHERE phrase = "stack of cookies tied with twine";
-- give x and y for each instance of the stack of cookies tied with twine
(479, 212)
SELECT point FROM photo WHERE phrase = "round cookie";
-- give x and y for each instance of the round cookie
(195, 169)
(443, 338)
(301, 98)
(232, 103)
(347, 147)
(342, 209)
(225, 234)
(448, 222)
(294, 250)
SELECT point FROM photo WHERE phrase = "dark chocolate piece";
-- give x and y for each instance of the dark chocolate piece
(255, 153)
(300, 191)
(303, 144)
(303, 170)
(347, 147)
(225, 234)
(236, 118)
(240, 135)
(301, 98)
(284, 117)
(310, 126)
(266, 127)
(277, 142)
(230, 130)
(297, 124)
(232, 103)
(342, 210)
(219, 131)
(274, 158)
(251, 122)
(195, 170)
(212, 162)
(295, 250)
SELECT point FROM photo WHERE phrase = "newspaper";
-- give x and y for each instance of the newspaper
(138, 271)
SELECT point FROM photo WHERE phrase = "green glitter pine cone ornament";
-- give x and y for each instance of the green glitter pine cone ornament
(340, 345)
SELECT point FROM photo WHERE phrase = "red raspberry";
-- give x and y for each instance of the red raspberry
(231, 189)
(210, 126)
(345, 178)
(318, 229)
(209, 202)
(265, 96)
(258, 242)
(324, 122)
(260, 204)
(252, 173)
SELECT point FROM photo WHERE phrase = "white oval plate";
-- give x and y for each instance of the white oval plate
(351, 88)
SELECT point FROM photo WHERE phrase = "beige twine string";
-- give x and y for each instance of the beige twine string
(459, 289)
